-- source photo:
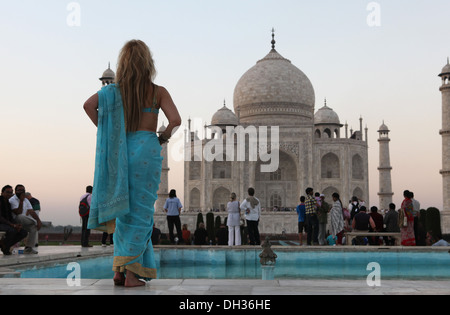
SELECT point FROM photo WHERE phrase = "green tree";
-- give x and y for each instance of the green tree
(199, 219)
(218, 222)
(433, 221)
(210, 227)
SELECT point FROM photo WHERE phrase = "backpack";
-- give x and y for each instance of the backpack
(355, 210)
(83, 208)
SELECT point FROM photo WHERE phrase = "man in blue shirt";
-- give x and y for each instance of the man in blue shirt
(173, 208)
(301, 210)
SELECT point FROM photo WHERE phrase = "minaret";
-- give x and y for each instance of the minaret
(445, 133)
(385, 168)
(163, 191)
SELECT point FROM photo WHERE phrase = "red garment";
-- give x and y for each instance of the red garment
(378, 219)
(408, 238)
(340, 235)
(186, 236)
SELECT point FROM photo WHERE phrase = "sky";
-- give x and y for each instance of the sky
(378, 60)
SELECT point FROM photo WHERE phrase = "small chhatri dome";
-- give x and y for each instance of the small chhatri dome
(446, 69)
(383, 128)
(224, 117)
(327, 116)
(108, 76)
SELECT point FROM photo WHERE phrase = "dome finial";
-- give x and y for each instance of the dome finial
(273, 38)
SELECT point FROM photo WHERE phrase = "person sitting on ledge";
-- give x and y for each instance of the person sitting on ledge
(14, 232)
(436, 240)
(361, 223)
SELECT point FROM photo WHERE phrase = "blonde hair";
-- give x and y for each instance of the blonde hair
(135, 75)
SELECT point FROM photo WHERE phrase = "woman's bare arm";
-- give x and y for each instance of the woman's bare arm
(171, 112)
(91, 108)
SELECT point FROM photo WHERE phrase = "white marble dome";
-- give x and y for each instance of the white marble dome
(327, 116)
(274, 91)
(224, 117)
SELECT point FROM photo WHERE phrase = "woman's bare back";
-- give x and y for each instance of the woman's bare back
(163, 101)
(149, 119)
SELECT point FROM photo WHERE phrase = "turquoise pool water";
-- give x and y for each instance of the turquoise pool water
(244, 264)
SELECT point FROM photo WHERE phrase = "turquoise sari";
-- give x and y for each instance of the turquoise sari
(126, 181)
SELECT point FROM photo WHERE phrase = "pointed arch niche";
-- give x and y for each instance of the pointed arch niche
(330, 166)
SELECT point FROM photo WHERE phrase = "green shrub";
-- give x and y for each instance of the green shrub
(423, 218)
(218, 222)
(433, 221)
(210, 227)
(199, 219)
(244, 235)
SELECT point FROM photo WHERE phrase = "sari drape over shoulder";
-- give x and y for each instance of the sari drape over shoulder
(127, 177)
(110, 196)
(337, 218)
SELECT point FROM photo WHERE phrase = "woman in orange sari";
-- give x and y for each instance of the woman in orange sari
(407, 220)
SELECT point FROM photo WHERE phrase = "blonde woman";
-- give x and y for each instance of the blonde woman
(128, 161)
(234, 221)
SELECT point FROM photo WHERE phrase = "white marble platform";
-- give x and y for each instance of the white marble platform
(19, 286)
(223, 287)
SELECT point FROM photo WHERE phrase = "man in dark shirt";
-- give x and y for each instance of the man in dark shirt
(361, 223)
(14, 231)
(391, 221)
(200, 235)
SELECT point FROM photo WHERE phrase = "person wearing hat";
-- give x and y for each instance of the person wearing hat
(322, 214)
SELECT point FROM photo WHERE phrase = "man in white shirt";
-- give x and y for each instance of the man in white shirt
(25, 215)
(252, 208)
(416, 205)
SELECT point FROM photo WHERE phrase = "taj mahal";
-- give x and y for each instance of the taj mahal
(314, 149)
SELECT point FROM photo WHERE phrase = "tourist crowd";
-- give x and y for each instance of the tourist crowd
(19, 219)
(313, 213)
(321, 222)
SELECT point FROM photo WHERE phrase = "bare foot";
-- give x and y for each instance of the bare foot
(132, 281)
(119, 278)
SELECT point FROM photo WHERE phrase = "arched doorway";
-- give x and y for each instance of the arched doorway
(221, 196)
(330, 166)
(194, 199)
(278, 188)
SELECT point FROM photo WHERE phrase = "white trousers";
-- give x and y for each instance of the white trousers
(234, 235)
